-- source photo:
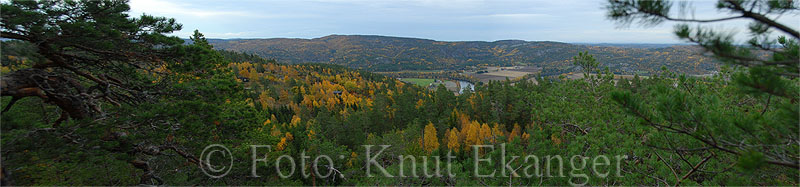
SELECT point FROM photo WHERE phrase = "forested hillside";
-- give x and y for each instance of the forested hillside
(316, 109)
(114, 101)
(382, 53)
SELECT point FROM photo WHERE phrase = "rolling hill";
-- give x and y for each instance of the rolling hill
(383, 53)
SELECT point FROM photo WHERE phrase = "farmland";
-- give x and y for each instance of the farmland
(502, 73)
(418, 81)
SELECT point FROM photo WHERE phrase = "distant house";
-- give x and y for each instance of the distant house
(337, 92)
(244, 79)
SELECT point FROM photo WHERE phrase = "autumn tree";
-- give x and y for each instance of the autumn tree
(484, 134)
(470, 134)
(515, 132)
(430, 140)
(452, 140)
(497, 132)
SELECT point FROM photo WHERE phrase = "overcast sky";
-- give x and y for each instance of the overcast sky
(446, 20)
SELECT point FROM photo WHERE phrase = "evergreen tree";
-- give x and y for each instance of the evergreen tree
(93, 53)
(767, 135)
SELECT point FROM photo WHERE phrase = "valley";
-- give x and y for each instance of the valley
(398, 54)
(473, 61)
(98, 93)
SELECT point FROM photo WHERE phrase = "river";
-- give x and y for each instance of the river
(465, 85)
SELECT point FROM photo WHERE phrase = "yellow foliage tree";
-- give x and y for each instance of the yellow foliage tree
(471, 134)
(496, 132)
(525, 137)
(275, 131)
(446, 137)
(463, 119)
(264, 99)
(555, 139)
(283, 97)
(311, 134)
(284, 141)
(419, 104)
(353, 158)
(295, 121)
(253, 75)
(452, 140)
(485, 133)
(307, 102)
(244, 73)
(514, 132)
(431, 142)
(289, 136)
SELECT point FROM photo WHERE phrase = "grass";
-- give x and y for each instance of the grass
(418, 81)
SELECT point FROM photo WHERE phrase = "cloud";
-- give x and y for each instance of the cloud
(231, 34)
(170, 8)
(451, 20)
(517, 16)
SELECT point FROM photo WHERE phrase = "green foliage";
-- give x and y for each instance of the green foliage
(561, 118)
(734, 128)
(585, 61)
(766, 74)
(751, 160)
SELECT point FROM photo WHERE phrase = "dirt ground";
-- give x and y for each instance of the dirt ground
(509, 74)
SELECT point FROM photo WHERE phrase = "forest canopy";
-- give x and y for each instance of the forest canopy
(94, 96)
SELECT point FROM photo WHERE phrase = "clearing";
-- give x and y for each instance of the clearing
(418, 81)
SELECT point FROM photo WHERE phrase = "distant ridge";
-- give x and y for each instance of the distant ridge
(634, 45)
(386, 53)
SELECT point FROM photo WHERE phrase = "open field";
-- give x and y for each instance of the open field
(418, 81)
(451, 86)
(433, 83)
(411, 71)
(486, 78)
(501, 73)
(509, 74)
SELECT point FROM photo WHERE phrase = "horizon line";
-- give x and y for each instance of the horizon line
(419, 38)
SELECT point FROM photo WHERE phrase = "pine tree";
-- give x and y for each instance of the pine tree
(769, 135)
(586, 62)
(94, 52)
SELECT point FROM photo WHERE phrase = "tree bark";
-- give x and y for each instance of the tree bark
(67, 93)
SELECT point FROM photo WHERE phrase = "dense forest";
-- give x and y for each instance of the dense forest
(112, 100)
(382, 53)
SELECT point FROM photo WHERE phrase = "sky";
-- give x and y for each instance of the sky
(574, 21)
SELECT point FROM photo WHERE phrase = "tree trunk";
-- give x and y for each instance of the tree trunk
(60, 90)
